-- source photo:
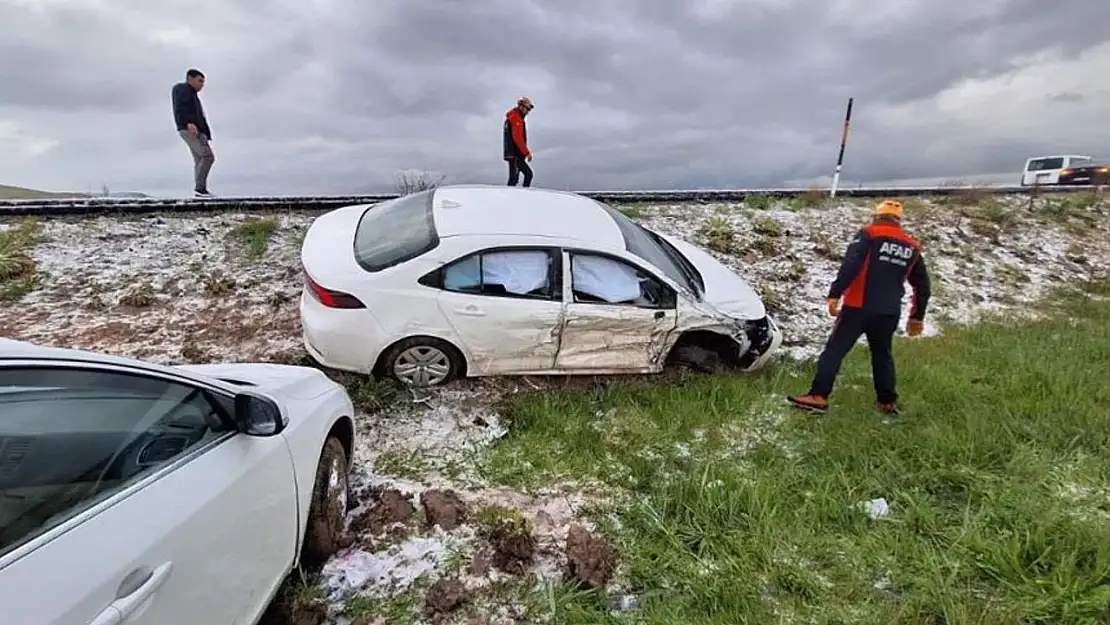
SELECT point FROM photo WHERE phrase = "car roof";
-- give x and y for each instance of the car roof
(466, 210)
(11, 349)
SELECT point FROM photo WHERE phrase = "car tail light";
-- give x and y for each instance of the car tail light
(329, 297)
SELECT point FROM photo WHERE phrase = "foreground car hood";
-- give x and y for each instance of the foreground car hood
(287, 380)
(724, 290)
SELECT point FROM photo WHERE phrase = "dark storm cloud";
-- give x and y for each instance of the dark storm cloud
(339, 94)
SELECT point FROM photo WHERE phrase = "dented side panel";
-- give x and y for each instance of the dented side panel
(700, 316)
(504, 335)
(613, 338)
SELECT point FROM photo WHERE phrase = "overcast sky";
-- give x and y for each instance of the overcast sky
(338, 96)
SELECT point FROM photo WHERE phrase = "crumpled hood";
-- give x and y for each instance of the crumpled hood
(724, 290)
(287, 380)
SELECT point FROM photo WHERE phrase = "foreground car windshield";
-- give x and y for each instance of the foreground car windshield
(642, 243)
(395, 231)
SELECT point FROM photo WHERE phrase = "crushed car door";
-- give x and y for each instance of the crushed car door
(619, 317)
(505, 304)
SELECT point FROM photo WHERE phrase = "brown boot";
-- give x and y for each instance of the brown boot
(890, 409)
(813, 403)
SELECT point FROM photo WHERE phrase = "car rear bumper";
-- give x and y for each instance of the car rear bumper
(347, 340)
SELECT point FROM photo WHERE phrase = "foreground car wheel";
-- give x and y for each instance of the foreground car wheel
(422, 361)
(329, 504)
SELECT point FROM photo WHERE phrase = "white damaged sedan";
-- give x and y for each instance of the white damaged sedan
(478, 280)
(150, 495)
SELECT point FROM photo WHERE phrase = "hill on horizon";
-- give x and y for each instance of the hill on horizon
(10, 192)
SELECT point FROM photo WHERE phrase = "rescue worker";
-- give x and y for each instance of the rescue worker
(878, 261)
(515, 139)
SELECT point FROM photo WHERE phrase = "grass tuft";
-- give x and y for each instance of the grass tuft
(18, 271)
(254, 235)
(718, 235)
(746, 511)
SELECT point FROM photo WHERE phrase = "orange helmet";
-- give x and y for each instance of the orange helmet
(891, 208)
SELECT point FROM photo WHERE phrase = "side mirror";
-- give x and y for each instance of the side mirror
(256, 415)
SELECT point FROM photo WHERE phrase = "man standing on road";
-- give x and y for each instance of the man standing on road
(879, 260)
(188, 114)
(515, 139)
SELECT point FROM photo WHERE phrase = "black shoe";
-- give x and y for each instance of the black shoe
(887, 409)
(202, 193)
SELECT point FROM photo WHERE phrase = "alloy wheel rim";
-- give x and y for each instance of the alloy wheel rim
(422, 366)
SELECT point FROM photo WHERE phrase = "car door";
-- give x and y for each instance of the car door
(619, 316)
(127, 497)
(505, 305)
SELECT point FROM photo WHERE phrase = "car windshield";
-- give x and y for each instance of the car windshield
(395, 231)
(655, 250)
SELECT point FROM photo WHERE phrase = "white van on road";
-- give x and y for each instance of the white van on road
(1042, 170)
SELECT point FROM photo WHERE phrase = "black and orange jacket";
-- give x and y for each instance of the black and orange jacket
(515, 135)
(880, 259)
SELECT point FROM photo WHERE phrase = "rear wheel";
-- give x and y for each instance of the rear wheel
(422, 361)
(330, 496)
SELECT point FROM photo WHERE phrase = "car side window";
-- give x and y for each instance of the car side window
(69, 438)
(505, 273)
(597, 279)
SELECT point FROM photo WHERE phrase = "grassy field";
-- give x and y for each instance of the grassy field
(8, 192)
(738, 510)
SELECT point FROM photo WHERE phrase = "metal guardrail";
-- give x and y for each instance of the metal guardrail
(108, 206)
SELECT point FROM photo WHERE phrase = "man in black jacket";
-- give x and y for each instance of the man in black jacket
(188, 114)
(880, 259)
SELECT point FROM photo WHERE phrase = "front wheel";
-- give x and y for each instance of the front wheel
(330, 496)
(697, 358)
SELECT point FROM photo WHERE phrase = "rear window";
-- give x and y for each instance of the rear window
(1042, 164)
(396, 230)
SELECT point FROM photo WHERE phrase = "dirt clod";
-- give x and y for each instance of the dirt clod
(392, 507)
(590, 560)
(513, 549)
(444, 597)
(443, 508)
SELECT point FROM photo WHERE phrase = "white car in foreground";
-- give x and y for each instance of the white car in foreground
(478, 280)
(149, 495)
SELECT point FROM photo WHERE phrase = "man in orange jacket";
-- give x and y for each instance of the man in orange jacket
(515, 140)
(880, 259)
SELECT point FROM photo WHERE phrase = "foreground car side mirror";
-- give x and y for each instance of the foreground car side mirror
(257, 415)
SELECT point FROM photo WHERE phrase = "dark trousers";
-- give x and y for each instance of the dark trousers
(519, 166)
(853, 323)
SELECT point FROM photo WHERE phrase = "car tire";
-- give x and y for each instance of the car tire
(697, 358)
(328, 510)
(437, 361)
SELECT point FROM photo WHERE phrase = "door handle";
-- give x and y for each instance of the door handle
(659, 314)
(470, 311)
(107, 616)
(138, 587)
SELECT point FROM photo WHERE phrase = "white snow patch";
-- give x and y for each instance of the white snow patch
(384, 574)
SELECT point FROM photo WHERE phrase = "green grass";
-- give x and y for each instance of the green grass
(254, 235)
(18, 270)
(739, 510)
